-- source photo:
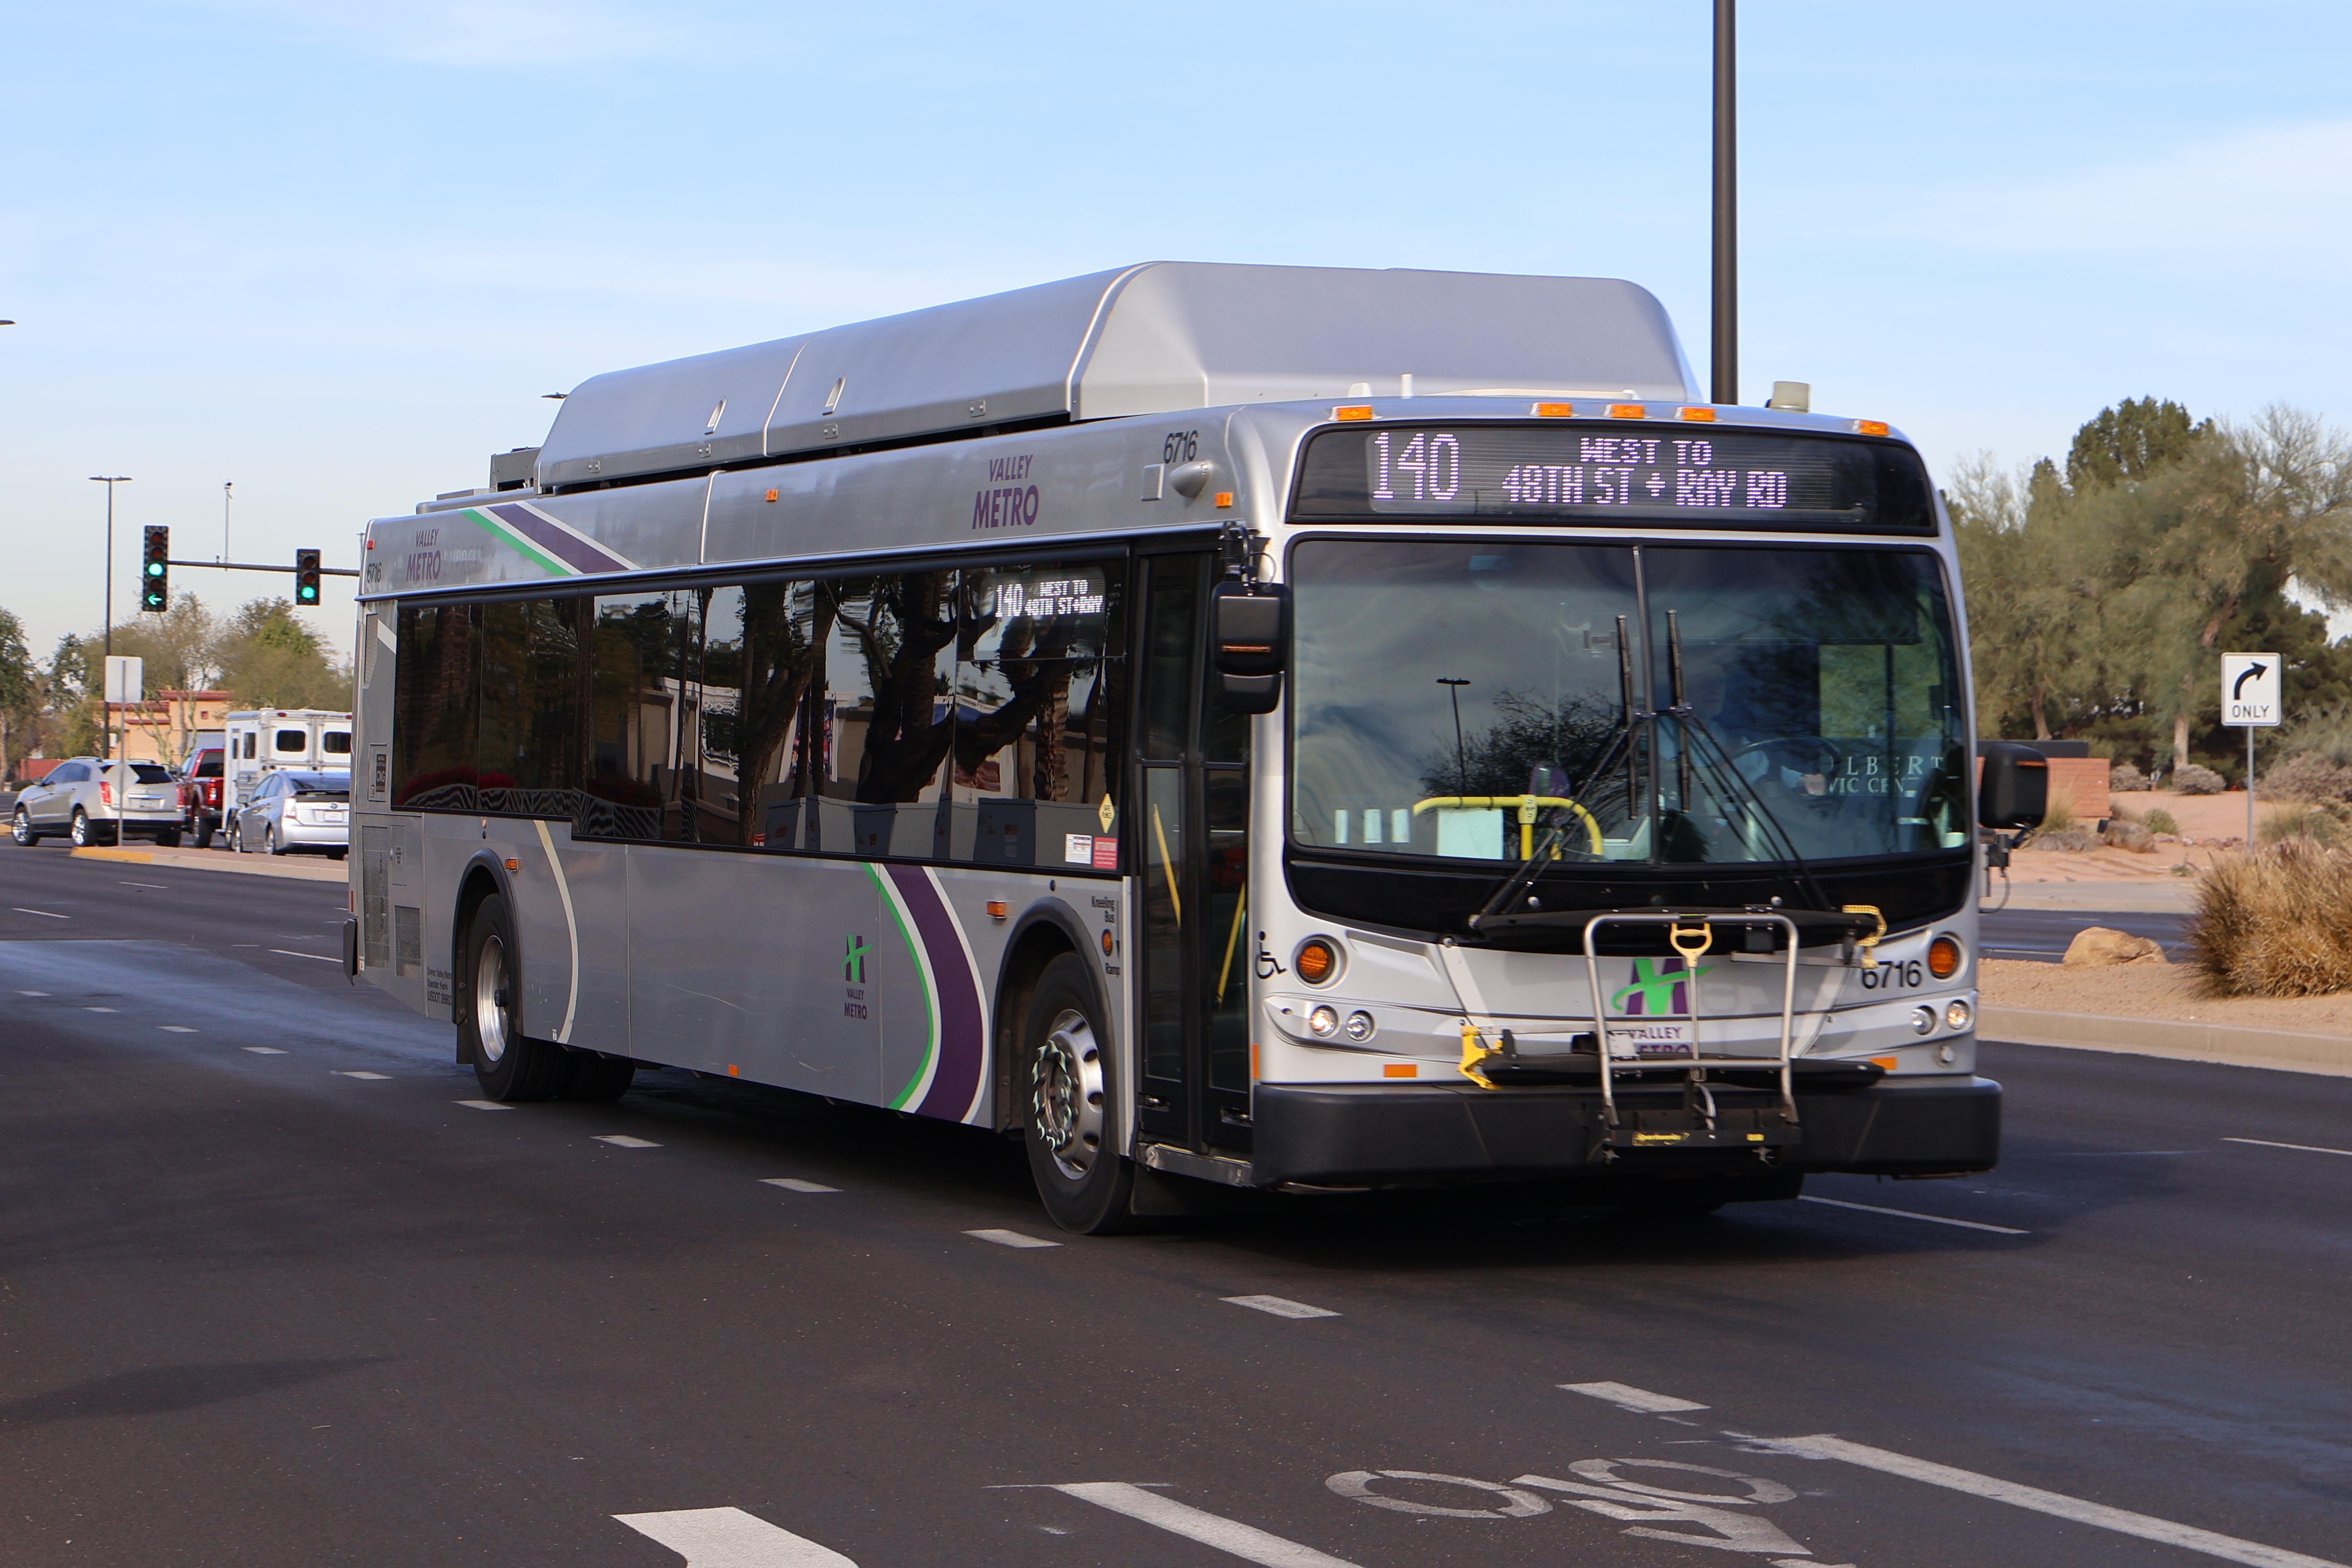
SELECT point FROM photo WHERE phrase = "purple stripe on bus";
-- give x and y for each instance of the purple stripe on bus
(578, 553)
(963, 1037)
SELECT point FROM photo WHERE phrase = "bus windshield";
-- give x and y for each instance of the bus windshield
(1661, 703)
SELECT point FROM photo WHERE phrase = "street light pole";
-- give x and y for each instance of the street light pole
(228, 487)
(1727, 208)
(105, 712)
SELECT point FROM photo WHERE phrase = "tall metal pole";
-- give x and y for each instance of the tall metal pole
(106, 714)
(1727, 208)
(228, 487)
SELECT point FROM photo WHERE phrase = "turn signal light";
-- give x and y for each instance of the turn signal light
(1555, 410)
(1698, 415)
(1316, 961)
(1629, 411)
(1942, 958)
(998, 909)
(1870, 426)
(1347, 411)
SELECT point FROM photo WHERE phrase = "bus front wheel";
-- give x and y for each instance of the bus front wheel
(1069, 1104)
(509, 1065)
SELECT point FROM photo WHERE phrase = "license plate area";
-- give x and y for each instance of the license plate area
(1681, 1127)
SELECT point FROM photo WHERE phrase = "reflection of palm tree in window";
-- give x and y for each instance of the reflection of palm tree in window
(1032, 660)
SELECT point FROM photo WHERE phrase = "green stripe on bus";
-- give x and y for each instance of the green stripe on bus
(922, 978)
(508, 536)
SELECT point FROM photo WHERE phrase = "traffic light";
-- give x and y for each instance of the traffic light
(155, 575)
(305, 577)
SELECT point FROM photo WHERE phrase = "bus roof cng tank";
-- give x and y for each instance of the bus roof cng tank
(1158, 338)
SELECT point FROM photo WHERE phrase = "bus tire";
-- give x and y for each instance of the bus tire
(595, 1078)
(508, 1064)
(1068, 1091)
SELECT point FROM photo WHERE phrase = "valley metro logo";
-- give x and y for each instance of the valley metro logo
(1657, 993)
(853, 960)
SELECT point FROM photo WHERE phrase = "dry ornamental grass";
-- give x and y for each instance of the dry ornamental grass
(2276, 923)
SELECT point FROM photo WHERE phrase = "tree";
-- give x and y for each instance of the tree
(74, 696)
(2130, 441)
(20, 686)
(269, 658)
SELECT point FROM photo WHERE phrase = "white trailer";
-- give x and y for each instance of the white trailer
(263, 739)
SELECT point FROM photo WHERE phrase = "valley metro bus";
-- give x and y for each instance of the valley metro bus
(1232, 727)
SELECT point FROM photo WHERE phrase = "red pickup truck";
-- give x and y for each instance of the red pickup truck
(200, 795)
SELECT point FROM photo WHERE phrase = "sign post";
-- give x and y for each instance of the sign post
(126, 682)
(2250, 699)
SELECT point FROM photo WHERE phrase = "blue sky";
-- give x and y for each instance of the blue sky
(335, 252)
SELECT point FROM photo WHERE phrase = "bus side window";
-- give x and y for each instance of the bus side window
(1039, 699)
(434, 710)
(528, 746)
(634, 696)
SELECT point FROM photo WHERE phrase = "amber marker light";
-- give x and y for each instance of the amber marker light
(514, 865)
(1224, 497)
(1352, 411)
(1885, 1064)
(1629, 411)
(1399, 1069)
(1942, 958)
(998, 909)
(1555, 410)
(1870, 428)
(771, 495)
(1697, 415)
(1316, 961)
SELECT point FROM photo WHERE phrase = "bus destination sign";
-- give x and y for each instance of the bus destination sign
(1678, 475)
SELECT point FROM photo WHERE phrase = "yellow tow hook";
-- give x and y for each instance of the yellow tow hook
(1869, 958)
(1474, 1055)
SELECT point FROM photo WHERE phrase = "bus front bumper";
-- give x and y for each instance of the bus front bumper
(1334, 1134)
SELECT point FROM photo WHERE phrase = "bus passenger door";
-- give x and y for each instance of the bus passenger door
(1193, 801)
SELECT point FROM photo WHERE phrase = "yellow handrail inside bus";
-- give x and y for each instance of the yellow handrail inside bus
(1527, 804)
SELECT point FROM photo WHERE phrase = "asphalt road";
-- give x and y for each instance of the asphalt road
(2042, 935)
(307, 1307)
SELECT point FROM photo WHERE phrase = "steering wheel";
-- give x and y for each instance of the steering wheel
(1793, 752)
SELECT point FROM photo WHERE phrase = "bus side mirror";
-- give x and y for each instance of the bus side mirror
(2013, 785)
(1250, 636)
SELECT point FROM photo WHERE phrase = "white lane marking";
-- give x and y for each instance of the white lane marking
(1627, 1398)
(32, 993)
(794, 1185)
(729, 1538)
(1246, 1541)
(1009, 1238)
(44, 914)
(152, 887)
(176, 1028)
(263, 1050)
(571, 927)
(97, 1009)
(485, 1105)
(319, 957)
(623, 1141)
(1913, 1213)
(1281, 1307)
(2228, 1548)
(374, 1076)
(2259, 1143)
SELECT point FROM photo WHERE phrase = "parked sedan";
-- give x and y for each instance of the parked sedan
(291, 810)
(95, 801)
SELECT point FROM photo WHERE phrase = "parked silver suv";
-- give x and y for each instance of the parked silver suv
(95, 801)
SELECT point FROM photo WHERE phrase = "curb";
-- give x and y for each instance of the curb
(2280, 1050)
(284, 866)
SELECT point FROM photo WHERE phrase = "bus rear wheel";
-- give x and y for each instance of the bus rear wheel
(1069, 1099)
(509, 1065)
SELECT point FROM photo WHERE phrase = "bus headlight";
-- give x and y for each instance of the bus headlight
(1360, 1026)
(1324, 1022)
(1923, 1021)
(1956, 1014)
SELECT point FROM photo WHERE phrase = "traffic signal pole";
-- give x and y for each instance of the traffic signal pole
(258, 566)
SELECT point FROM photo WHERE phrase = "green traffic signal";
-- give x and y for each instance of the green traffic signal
(155, 593)
(305, 577)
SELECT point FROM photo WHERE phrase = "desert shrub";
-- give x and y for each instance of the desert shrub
(2317, 823)
(2125, 834)
(2059, 817)
(2277, 923)
(2308, 776)
(2161, 821)
(2193, 778)
(2124, 779)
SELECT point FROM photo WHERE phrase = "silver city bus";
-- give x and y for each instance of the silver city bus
(1233, 727)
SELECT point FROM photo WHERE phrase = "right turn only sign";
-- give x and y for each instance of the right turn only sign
(2250, 688)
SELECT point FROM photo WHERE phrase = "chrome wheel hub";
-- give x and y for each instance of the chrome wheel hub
(490, 1002)
(1065, 1094)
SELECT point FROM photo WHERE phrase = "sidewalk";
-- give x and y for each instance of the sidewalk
(2281, 1050)
(294, 867)
(2176, 897)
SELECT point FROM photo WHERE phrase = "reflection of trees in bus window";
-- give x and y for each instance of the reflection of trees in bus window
(757, 661)
(433, 710)
(528, 741)
(637, 705)
(901, 625)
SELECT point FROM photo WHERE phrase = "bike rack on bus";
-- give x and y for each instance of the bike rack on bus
(1692, 936)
